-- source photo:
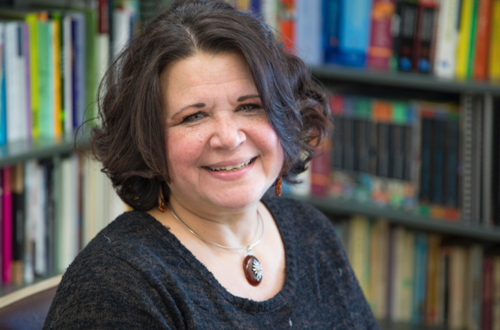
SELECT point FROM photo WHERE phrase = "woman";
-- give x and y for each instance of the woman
(203, 113)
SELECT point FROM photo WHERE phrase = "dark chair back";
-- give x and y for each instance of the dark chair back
(27, 308)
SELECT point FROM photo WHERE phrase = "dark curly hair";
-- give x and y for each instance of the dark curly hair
(130, 140)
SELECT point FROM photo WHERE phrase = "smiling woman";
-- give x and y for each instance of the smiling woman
(201, 114)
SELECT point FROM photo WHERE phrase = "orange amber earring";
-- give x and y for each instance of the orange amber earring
(278, 186)
(161, 202)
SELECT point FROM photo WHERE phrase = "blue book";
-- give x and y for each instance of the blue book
(419, 284)
(256, 7)
(309, 30)
(331, 30)
(355, 25)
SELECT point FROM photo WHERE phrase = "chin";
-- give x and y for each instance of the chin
(238, 200)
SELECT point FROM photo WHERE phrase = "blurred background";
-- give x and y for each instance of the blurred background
(410, 176)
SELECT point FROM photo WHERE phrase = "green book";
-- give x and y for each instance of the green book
(473, 39)
(45, 79)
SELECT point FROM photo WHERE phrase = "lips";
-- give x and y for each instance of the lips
(231, 168)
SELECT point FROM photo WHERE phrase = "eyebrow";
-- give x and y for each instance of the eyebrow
(202, 105)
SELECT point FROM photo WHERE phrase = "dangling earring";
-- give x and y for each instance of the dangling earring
(161, 202)
(278, 187)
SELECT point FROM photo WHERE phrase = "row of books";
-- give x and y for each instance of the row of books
(51, 64)
(49, 210)
(449, 38)
(416, 277)
(434, 159)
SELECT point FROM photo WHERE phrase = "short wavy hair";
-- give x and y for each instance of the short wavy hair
(130, 141)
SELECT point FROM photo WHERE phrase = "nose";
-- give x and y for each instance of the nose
(227, 134)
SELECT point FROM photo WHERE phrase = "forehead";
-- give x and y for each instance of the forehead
(203, 74)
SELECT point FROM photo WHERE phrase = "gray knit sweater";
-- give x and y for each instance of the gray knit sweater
(135, 274)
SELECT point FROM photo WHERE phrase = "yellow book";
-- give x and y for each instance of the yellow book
(31, 20)
(464, 39)
(56, 46)
(494, 65)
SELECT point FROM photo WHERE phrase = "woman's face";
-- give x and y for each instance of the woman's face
(222, 152)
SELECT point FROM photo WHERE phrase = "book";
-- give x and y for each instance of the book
(482, 40)
(18, 217)
(46, 119)
(379, 250)
(456, 282)
(354, 32)
(431, 299)
(6, 225)
(495, 322)
(493, 64)
(331, 34)
(464, 41)
(408, 11)
(486, 308)
(425, 36)
(419, 277)
(309, 30)
(381, 38)
(446, 39)
(15, 75)
(359, 246)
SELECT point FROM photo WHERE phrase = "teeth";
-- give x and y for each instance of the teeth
(231, 167)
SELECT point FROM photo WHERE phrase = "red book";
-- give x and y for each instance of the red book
(103, 16)
(6, 226)
(487, 293)
(381, 39)
(287, 24)
(483, 40)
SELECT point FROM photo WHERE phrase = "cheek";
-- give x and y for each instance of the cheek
(182, 149)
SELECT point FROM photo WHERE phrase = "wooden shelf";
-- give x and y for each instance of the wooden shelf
(414, 81)
(405, 218)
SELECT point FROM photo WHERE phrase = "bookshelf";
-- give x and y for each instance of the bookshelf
(413, 85)
(410, 81)
(404, 218)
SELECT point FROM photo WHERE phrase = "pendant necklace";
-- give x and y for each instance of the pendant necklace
(251, 265)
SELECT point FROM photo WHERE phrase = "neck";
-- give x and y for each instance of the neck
(226, 228)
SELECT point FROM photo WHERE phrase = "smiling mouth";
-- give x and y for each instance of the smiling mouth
(231, 168)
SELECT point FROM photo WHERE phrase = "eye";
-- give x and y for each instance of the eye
(250, 107)
(193, 117)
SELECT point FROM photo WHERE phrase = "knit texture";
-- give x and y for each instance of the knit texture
(135, 274)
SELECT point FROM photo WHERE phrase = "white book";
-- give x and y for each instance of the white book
(308, 31)
(68, 74)
(270, 13)
(446, 39)
(121, 29)
(15, 82)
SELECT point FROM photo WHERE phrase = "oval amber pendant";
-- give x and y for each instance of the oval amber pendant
(253, 270)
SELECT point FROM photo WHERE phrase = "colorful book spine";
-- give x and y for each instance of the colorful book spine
(6, 226)
(381, 40)
(482, 40)
(331, 34)
(447, 36)
(473, 40)
(56, 78)
(425, 36)
(493, 63)
(45, 75)
(27, 80)
(3, 90)
(408, 11)
(309, 29)
(355, 33)
(420, 262)
(464, 38)
(32, 21)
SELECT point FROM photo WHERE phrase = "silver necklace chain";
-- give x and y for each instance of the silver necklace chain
(248, 248)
